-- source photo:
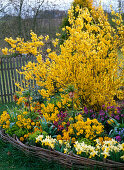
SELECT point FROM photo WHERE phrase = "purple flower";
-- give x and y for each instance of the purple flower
(68, 123)
(122, 115)
(118, 138)
(85, 110)
(117, 117)
(58, 115)
(102, 113)
(93, 115)
(62, 115)
(91, 111)
(118, 111)
(103, 106)
(55, 123)
(112, 115)
(60, 127)
(108, 107)
(80, 113)
(118, 108)
(112, 107)
(102, 118)
(65, 113)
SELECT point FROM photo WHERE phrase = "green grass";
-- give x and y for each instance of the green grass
(12, 158)
(4, 107)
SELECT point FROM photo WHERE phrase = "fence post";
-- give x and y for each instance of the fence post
(3, 80)
(1, 86)
(10, 85)
(6, 79)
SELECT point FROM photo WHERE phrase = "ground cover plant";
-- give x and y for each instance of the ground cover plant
(71, 106)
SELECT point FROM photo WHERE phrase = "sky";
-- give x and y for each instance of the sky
(65, 4)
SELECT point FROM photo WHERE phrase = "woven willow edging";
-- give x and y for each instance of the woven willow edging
(70, 160)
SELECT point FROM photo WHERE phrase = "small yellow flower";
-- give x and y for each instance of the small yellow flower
(73, 140)
(122, 157)
(21, 139)
(61, 142)
(48, 50)
(47, 38)
(63, 29)
(110, 121)
(57, 34)
(5, 51)
(32, 123)
(26, 136)
(8, 122)
(28, 127)
(70, 119)
(25, 112)
(4, 112)
(59, 137)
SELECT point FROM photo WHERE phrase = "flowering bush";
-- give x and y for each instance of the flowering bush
(87, 60)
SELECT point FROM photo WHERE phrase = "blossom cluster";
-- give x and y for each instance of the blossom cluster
(23, 122)
(22, 47)
(52, 142)
(109, 146)
(104, 148)
(5, 120)
(88, 129)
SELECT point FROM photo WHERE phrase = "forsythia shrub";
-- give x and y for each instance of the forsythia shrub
(95, 12)
(87, 60)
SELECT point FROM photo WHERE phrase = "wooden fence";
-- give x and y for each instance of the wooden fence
(9, 75)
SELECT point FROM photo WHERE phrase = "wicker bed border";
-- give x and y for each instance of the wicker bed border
(71, 160)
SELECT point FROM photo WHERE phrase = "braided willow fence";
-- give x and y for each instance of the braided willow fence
(9, 76)
(70, 161)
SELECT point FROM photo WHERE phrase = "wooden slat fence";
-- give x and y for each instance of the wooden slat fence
(9, 75)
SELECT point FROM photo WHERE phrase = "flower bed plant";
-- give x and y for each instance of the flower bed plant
(71, 108)
(72, 131)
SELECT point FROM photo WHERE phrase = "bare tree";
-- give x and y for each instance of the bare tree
(36, 9)
(120, 5)
(18, 17)
(3, 6)
(18, 7)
